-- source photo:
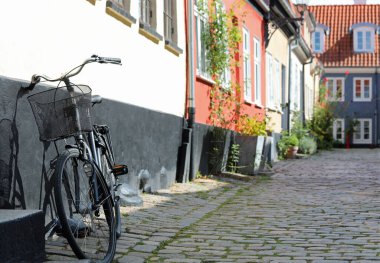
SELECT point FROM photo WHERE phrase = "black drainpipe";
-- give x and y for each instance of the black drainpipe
(185, 169)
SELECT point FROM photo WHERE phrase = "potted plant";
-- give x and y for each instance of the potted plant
(288, 145)
(292, 143)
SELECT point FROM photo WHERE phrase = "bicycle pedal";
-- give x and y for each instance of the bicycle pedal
(119, 169)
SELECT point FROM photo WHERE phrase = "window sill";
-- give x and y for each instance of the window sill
(330, 100)
(259, 106)
(363, 51)
(357, 100)
(361, 142)
(173, 48)
(149, 32)
(249, 102)
(272, 109)
(205, 79)
(119, 13)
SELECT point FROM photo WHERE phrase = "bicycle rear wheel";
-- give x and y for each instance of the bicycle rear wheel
(87, 224)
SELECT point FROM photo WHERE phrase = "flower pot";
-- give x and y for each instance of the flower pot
(292, 152)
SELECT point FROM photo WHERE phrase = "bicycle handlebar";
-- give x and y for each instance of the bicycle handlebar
(75, 71)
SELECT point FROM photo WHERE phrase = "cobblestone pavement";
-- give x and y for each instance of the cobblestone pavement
(322, 209)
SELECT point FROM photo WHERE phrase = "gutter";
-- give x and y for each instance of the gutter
(191, 106)
(190, 52)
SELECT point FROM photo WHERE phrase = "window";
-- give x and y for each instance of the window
(273, 80)
(247, 66)
(338, 130)
(318, 41)
(148, 13)
(335, 89)
(200, 27)
(270, 81)
(277, 82)
(226, 78)
(362, 89)
(295, 85)
(363, 131)
(170, 21)
(318, 38)
(257, 70)
(226, 74)
(364, 40)
(148, 20)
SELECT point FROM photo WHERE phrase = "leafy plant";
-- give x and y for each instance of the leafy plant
(307, 145)
(253, 126)
(321, 125)
(198, 175)
(233, 159)
(298, 127)
(286, 142)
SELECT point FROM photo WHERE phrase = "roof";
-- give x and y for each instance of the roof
(339, 50)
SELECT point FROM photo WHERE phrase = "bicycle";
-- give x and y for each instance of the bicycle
(85, 178)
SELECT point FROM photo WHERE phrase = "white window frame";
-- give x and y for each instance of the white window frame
(295, 85)
(277, 89)
(269, 81)
(202, 64)
(335, 130)
(333, 96)
(364, 48)
(247, 66)
(321, 43)
(359, 129)
(362, 98)
(257, 69)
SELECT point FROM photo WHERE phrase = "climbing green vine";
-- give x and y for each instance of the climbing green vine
(221, 37)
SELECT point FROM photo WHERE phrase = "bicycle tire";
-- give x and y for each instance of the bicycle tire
(110, 179)
(88, 228)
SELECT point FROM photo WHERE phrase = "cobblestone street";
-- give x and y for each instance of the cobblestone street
(322, 209)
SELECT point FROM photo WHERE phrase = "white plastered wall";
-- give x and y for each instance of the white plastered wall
(52, 36)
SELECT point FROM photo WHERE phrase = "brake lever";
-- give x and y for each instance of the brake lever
(33, 82)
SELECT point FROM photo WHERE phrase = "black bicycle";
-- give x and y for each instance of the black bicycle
(85, 182)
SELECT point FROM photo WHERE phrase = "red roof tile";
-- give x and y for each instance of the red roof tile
(339, 51)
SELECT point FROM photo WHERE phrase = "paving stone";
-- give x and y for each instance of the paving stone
(310, 210)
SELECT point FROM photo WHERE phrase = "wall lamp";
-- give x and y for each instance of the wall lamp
(280, 21)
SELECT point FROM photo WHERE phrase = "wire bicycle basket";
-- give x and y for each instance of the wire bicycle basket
(60, 113)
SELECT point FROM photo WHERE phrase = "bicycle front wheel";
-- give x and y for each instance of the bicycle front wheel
(84, 208)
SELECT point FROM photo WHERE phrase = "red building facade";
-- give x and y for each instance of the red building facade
(240, 90)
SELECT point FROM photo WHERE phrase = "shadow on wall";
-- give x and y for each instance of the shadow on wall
(11, 186)
(17, 172)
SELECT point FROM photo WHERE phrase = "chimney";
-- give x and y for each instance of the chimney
(360, 2)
